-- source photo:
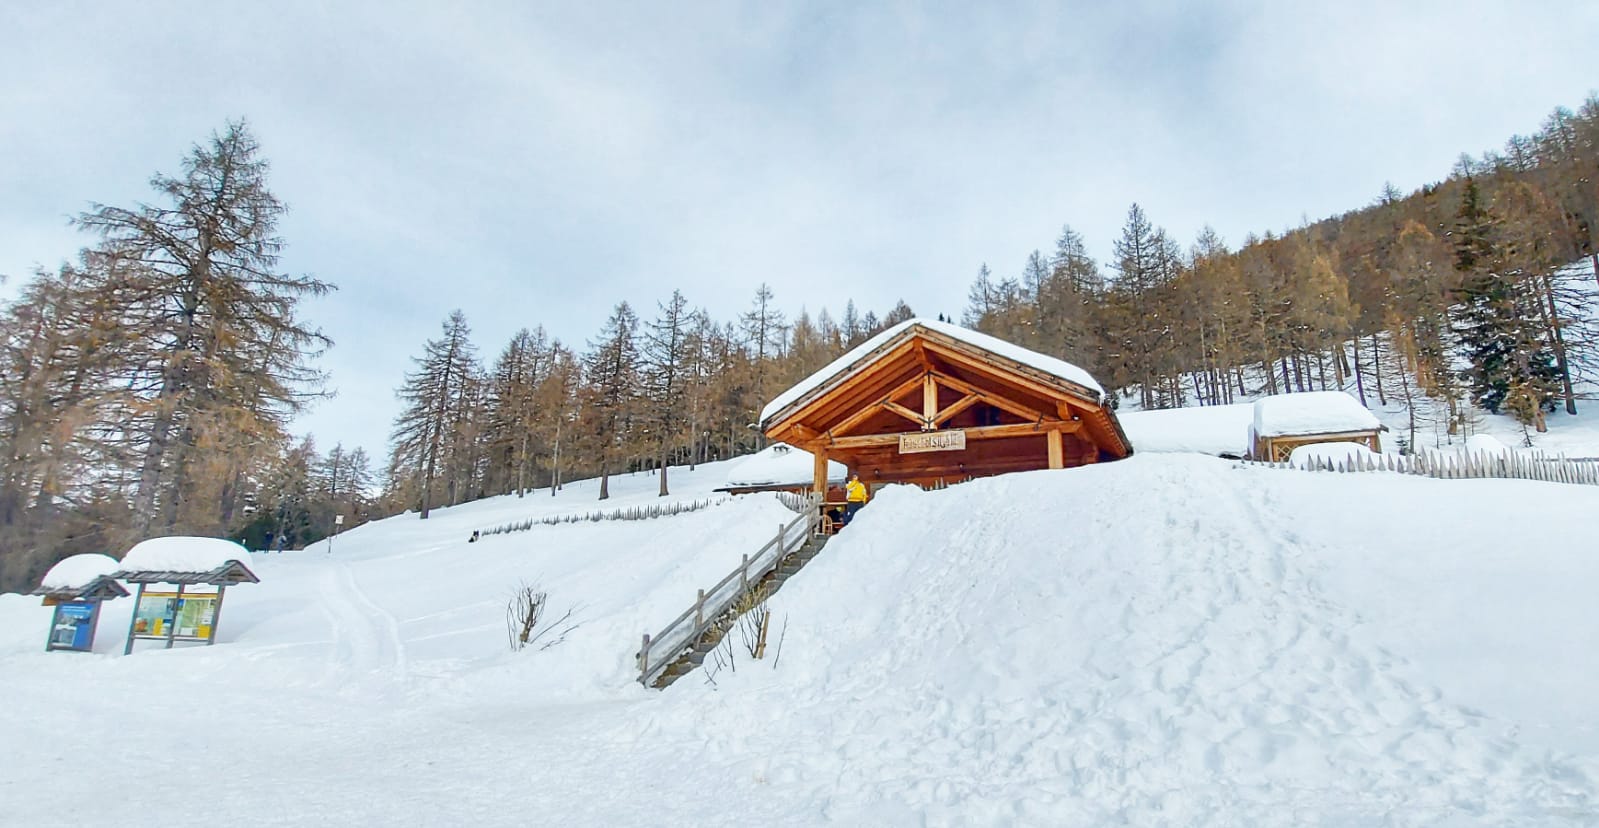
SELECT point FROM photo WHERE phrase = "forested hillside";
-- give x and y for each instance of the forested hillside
(150, 386)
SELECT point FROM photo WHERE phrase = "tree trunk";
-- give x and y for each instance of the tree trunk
(1360, 381)
(1376, 370)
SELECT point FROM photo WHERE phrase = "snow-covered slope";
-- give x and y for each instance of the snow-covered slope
(1166, 640)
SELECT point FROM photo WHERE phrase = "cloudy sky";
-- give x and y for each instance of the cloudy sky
(535, 163)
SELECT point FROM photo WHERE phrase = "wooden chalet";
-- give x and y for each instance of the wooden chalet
(928, 402)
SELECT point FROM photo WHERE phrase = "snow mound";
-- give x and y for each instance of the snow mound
(78, 571)
(1209, 644)
(1211, 429)
(1329, 453)
(1311, 412)
(183, 554)
(1015, 353)
(1486, 444)
(780, 464)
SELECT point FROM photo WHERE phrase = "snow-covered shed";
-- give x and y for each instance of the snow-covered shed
(1220, 430)
(928, 402)
(1284, 422)
(779, 467)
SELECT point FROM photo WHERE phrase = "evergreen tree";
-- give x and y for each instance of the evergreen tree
(426, 430)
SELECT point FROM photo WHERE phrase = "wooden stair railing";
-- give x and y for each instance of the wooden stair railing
(676, 641)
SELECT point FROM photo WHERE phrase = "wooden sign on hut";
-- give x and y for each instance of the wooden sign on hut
(1285, 422)
(181, 584)
(928, 402)
(76, 587)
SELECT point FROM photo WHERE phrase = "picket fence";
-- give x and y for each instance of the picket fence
(1474, 466)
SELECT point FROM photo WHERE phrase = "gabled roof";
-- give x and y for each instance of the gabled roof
(1019, 359)
(102, 588)
(1312, 412)
(228, 574)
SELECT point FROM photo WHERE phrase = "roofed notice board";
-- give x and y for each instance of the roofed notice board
(953, 440)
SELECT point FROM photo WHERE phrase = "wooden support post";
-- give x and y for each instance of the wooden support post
(819, 473)
(172, 625)
(138, 599)
(1057, 452)
(216, 615)
(929, 401)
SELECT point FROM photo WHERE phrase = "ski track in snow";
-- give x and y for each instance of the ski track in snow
(366, 637)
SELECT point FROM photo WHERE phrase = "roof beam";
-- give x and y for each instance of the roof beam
(973, 433)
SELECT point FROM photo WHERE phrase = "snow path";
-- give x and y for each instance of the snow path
(367, 637)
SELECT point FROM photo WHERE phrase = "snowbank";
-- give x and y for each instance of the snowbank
(78, 571)
(1032, 359)
(1311, 412)
(183, 554)
(1211, 429)
(1217, 644)
(1486, 444)
(781, 464)
(1329, 453)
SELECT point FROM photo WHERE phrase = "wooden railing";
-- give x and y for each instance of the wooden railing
(675, 639)
(1474, 466)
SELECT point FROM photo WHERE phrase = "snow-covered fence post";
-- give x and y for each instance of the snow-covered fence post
(744, 573)
(699, 611)
(644, 661)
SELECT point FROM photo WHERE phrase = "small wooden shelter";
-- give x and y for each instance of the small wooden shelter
(76, 587)
(197, 571)
(928, 402)
(1285, 422)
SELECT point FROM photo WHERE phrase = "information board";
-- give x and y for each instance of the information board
(73, 628)
(158, 611)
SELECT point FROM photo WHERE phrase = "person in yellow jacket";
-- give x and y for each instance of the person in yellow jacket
(855, 495)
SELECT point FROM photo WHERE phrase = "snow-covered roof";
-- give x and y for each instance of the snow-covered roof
(1210, 429)
(78, 571)
(1312, 412)
(182, 554)
(780, 464)
(999, 347)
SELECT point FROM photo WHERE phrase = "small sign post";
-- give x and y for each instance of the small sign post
(952, 440)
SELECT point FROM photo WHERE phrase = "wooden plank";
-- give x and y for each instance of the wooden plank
(903, 412)
(819, 473)
(973, 433)
(1057, 456)
(990, 397)
(955, 408)
(929, 399)
(867, 411)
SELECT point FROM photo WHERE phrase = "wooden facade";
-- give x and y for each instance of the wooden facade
(928, 407)
(1277, 449)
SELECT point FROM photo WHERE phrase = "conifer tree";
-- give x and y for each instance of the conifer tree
(432, 396)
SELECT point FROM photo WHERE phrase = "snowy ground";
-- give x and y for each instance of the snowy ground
(1168, 640)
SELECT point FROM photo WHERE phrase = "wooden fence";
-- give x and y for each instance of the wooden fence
(645, 512)
(711, 605)
(1472, 466)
